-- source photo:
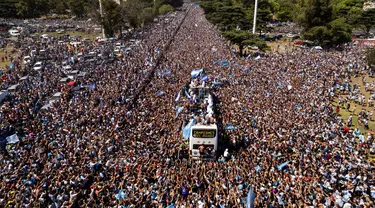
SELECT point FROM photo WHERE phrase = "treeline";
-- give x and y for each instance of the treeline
(136, 10)
(132, 13)
(234, 18)
(38, 8)
(330, 22)
(326, 22)
(117, 17)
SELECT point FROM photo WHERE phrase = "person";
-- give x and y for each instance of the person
(226, 154)
(201, 150)
(117, 142)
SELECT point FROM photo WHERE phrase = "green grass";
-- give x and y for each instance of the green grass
(344, 114)
(6, 62)
(356, 108)
(90, 36)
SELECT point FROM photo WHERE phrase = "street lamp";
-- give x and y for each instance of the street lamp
(255, 16)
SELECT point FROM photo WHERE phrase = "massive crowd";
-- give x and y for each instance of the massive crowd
(120, 144)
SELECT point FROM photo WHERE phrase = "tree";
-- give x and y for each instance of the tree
(59, 7)
(226, 15)
(316, 13)
(164, 9)
(77, 7)
(132, 11)
(366, 20)
(336, 32)
(243, 38)
(263, 17)
(320, 34)
(8, 8)
(174, 3)
(147, 15)
(287, 11)
(341, 8)
(111, 20)
(32, 8)
(320, 24)
(341, 31)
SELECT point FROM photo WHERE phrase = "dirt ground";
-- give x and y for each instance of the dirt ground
(280, 46)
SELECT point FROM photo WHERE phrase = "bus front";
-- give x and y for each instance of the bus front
(203, 141)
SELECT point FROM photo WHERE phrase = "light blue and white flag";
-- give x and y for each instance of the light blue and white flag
(178, 110)
(224, 63)
(250, 198)
(178, 96)
(120, 195)
(196, 72)
(159, 92)
(247, 69)
(187, 128)
(12, 139)
(204, 78)
(171, 205)
(187, 94)
(12, 65)
(282, 165)
(230, 127)
(166, 73)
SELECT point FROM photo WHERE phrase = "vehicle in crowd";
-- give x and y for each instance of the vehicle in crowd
(15, 31)
(60, 31)
(203, 139)
(3, 95)
(26, 60)
(55, 97)
(203, 130)
(72, 74)
(38, 66)
(12, 89)
(44, 36)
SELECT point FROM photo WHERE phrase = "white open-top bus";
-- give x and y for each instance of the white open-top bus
(203, 137)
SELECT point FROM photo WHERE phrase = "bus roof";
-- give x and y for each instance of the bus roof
(204, 126)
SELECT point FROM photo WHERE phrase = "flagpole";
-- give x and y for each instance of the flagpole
(255, 16)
